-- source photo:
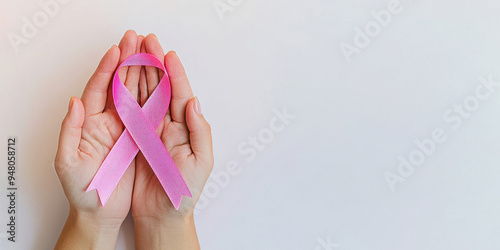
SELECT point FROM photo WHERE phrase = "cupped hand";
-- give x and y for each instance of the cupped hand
(88, 133)
(184, 132)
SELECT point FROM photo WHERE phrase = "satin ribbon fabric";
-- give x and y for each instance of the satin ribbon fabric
(140, 134)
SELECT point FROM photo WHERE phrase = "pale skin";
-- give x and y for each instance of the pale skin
(89, 131)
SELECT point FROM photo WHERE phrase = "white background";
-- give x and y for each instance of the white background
(319, 180)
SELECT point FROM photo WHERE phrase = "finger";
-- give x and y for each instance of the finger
(153, 47)
(109, 102)
(95, 93)
(143, 83)
(128, 46)
(200, 134)
(71, 130)
(134, 72)
(181, 90)
(153, 75)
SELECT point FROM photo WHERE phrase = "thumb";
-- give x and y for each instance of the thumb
(71, 129)
(200, 134)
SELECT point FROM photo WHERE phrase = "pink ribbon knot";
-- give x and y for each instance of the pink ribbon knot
(140, 134)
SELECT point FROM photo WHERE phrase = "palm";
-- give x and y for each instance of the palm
(149, 196)
(99, 133)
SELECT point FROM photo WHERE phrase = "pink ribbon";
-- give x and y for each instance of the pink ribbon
(140, 134)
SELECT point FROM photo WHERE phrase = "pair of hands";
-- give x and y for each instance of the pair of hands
(89, 131)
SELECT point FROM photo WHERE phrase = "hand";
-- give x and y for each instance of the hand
(88, 132)
(187, 137)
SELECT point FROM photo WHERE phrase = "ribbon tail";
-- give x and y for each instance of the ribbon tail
(176, 196)
(113, 168)
(172, 182)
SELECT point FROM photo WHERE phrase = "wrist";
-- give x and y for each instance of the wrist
(94, 221)
(161, 222)
(166, 233)
(83, 231)
(165, 217)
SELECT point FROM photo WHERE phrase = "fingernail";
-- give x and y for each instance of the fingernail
(197, 108)
(71, 101)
